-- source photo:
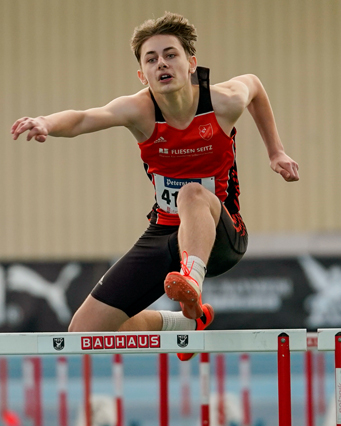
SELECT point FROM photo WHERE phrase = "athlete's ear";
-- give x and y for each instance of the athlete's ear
(142, 78)
(192, 64)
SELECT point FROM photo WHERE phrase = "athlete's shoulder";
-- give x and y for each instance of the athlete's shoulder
(142, 99)
(134, 105)
(232, 96)
(133, 109)
(230, 91)
(238, 83)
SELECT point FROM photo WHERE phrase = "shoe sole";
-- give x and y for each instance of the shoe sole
(178, 289)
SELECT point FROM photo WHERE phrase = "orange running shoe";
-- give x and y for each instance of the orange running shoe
(184, 289)
(203, 322)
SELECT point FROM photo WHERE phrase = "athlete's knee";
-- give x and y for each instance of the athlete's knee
(73, 326)
(97, 316)
(79, 323)
(191, 192)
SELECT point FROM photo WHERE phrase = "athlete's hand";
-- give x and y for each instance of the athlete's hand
(285, 166)
(36, 127)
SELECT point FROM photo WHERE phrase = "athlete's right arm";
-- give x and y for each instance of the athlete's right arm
(119, 112)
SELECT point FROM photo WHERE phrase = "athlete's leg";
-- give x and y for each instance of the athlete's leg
(94, 315)
(230, 244)
(146, 320)
(119, 300)
(199, 211)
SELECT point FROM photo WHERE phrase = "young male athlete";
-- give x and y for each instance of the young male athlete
(185, 130)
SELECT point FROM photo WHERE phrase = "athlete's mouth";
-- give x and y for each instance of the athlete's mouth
(165, 77)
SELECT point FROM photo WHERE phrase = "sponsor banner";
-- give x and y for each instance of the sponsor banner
(42, 296)
(120, 342)
(260, 293)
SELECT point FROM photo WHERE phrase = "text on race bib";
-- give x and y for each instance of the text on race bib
(167, 190)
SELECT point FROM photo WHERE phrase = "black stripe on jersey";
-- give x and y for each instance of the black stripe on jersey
(158, 114)
(146, 168)
(203, 77)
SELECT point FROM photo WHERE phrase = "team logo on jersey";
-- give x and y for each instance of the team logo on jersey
(182, 340)
(58, 343)
(206, 131)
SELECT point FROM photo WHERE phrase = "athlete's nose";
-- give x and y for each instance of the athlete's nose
(161, 63)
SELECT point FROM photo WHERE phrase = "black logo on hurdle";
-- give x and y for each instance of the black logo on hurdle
(58, 343)
(182, 340)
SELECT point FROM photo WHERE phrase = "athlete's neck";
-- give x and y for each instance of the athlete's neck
(178, 108)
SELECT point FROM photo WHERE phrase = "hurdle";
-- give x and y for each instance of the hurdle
(185, 377)
(3, 386)
(220, 377)
(32, 372)
(282, 341)
(62, 374)
(244, 366)
(87, 373)
(330, 340)
(117, 374)
(7, 417)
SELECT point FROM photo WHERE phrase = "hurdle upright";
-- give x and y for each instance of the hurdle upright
(329, 339)
(282, 341)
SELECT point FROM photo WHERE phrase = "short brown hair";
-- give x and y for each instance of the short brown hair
(170, 24)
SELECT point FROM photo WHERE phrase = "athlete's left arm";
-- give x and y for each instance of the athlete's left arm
(257, 102)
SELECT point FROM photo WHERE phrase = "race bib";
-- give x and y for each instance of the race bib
(167, 190)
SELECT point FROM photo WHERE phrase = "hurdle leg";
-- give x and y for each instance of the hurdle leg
(338, 378)
(221, 374)
(37, 374)
(284, 382)
(244, 366)
(321, 395)
(3, 386)
(118, 383)
(205, 388)
(27, 370)
(62, 372)
(309, 388)
(185, 378)
(87, 389)
(163, 377)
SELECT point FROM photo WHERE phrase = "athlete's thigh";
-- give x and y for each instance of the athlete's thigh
(94, 315)
(230, 243)
(136, 280)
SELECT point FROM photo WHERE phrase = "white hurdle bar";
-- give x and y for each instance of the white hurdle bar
(149, 342)
(282, 341)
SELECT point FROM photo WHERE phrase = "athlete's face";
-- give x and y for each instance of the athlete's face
(165, 66)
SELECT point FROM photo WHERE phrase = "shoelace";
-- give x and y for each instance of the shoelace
(183, 263)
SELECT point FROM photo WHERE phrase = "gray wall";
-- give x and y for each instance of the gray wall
(88, 197)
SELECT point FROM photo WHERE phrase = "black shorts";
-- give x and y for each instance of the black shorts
(136, 280)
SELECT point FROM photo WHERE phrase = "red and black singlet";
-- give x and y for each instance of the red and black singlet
(200, 153)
